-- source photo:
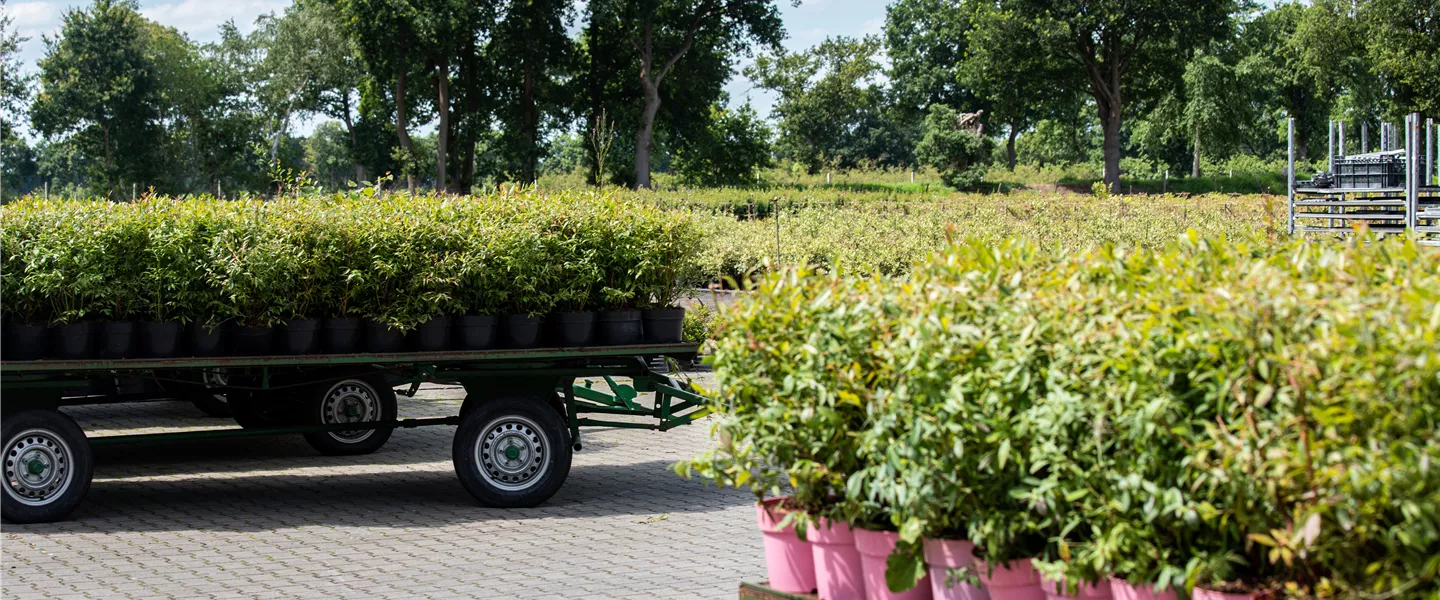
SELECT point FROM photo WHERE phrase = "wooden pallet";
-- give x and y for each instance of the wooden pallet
(759, 591)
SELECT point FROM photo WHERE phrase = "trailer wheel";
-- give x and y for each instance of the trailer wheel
(47, 466)
(359, 400)
(212, 403)
(512, 452)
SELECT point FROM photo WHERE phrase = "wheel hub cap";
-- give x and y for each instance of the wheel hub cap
(37, 467)
(512, 455)
(350, 402)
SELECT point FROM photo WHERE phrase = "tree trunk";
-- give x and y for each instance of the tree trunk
(354, 144)
(1010, 146)
(529, 126)
(1195, 166)
(645, 135)
(400, 129)
(442, 106)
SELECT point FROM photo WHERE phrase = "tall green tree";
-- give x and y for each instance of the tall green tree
(663, 32)
(388, 35)
(99, 88)
(1403, 45)
(1123, 49)
(926, 42)
(14, 83)
(833, 109)
(531, 53)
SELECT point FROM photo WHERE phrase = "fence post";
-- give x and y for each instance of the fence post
(1290, 175)
(1429, 151)
(132, 192)
(1364, 136)
(47, 190)
(827, 178)
(1340, 146)
(1165, 183)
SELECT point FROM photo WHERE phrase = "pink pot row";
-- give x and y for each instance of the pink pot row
(840, 563)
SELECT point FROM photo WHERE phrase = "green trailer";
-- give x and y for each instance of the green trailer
(517, 427)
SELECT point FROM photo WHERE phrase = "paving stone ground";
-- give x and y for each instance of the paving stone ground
(271, 518)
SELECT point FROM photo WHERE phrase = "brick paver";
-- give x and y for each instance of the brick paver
(271, 518)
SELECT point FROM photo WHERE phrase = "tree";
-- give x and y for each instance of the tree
(926, 41)
(531, 52)
(387, 35)
(832, 109)
(327, 150)
(98, 87)
(14, 84)
(733, 150)
(1123, 48)
(1013, 73)
(1403, 47)
(662, 32)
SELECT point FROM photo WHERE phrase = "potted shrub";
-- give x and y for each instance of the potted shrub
(252, 271)
(169, 267)
(476, 326)
(675, 243)
(528, 285)
(302, 309)
(26, 306)
(573, 255)
(800, 438)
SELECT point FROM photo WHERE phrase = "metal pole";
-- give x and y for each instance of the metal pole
(1330, 150)
(1411, 192)
(1364, 136)
(47, 190)
(1341, 144)
(1429, 151)
(1290, 175)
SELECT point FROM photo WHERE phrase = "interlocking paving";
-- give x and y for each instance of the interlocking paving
(271, 518)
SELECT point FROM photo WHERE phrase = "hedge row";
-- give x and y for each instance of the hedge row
(392, 259)
(1228, 414)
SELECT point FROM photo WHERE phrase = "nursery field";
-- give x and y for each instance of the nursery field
(883, 232)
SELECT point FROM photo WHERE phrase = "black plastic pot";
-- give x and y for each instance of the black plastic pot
(519, 331)
(475, 332)
(619, 327)
(433, 335)
(75, 341)
(206, 340)
(117, 340)
(26, 342)
(301, 336)
(664, 325)
(572, 329)
(380, 337)
(246, 340)
(341, 336)
(160, 340)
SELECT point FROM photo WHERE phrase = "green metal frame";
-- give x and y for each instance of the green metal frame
(39, 384)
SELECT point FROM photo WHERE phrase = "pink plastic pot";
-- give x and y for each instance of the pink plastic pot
(1055, 590)
(875, 548)
(787, 557)
(838, 573)
(1204, 594)
(1124, 590)
(1016, 581)
(942, 556)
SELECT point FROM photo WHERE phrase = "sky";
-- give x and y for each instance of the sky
(807, 25)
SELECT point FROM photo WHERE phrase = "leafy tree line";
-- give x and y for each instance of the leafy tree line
(500, 90)
(456, 94)
(1134, 86)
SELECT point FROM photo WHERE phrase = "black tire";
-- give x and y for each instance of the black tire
(48, 466)
(260, 409)
(361, 399)
(213, 405)
(512, 452)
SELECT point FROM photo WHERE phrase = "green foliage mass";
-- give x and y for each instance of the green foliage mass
(1211, 411)
(958, 153)
(389, 258)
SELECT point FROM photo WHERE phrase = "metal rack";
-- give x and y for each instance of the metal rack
(1413, 206)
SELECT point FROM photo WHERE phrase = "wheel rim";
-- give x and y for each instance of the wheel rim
(350, 401)
(512, 453)
(38, 467)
